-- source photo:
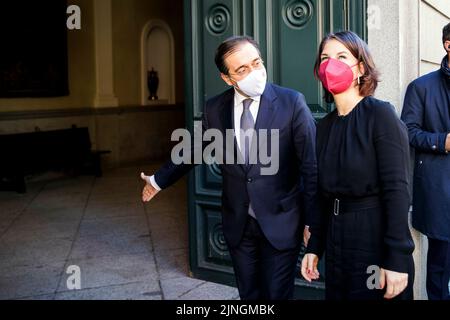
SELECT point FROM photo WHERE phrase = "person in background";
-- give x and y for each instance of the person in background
(426, 113)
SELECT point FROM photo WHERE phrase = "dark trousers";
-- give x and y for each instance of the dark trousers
(438, 270)
(263, 272)
(355, 243)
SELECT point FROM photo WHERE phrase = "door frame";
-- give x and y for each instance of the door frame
(355, 20)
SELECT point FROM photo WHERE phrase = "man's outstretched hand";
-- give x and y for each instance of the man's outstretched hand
(149, 191)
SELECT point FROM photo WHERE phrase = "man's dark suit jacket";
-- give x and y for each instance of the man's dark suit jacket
(282, 202)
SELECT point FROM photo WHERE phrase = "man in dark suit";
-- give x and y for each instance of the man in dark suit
(263, 215)
(426, 113)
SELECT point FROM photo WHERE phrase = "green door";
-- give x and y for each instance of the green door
(289, 32)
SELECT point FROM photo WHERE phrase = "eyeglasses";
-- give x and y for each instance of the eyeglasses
(245, 70)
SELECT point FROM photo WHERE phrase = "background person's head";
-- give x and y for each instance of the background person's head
(349, 48)
(446, 38)
(237, 58)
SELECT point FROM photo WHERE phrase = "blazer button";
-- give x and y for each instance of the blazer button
(434, 147)
(249, 180)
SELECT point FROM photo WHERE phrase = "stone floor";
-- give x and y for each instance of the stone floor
(124, 249)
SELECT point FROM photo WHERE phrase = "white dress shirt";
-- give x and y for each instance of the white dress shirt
(238, 110)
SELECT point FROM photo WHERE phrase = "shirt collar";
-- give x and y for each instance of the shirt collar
(239, 98)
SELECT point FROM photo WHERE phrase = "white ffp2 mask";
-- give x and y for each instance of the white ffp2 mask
(254, 84)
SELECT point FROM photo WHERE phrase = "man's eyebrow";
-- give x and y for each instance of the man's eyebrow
(239, 67)
(244, 65)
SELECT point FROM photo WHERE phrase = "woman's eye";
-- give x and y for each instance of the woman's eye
(342, 57)
(323, 59)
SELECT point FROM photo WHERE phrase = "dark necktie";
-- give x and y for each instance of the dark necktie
(247, 123)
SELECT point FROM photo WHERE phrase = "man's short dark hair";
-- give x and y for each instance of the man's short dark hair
(228, 47)
(446, 33)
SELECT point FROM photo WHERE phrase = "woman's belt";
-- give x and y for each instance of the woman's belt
(342, 205)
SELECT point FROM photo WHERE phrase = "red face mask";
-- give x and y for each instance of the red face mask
(336, 76)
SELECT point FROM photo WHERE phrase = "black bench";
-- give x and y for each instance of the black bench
(67, 150)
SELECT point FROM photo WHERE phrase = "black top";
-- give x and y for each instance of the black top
(366, 153)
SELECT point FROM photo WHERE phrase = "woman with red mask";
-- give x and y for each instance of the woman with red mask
(363, 162)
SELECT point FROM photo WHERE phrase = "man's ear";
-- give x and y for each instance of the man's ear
(226, 79)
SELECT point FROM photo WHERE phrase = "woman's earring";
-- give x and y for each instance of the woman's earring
(359, 80)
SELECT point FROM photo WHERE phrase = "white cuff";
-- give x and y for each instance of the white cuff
(153, 183)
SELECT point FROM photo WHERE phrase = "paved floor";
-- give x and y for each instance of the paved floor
(124, 249)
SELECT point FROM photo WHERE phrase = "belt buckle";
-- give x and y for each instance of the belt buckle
(336, 207)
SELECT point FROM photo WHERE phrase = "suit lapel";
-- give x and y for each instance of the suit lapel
(267, 110)
(226, 111)
(227, 119)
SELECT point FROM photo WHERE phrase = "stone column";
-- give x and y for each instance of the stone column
(106, 125)
(105, 96)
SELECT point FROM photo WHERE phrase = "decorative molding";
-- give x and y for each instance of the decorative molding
(218, 19)
(298, 13)
(237, 6)
(256, 25)
(269, 38)
(247, 24)
(209, 228)
(205, 186)
(197, 101)
(217, 240)
(85, 112)
(215, 170)
(321, 27)
(436, 6)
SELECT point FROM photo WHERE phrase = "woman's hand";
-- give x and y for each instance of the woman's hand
(306, 235)
(309, 267)
(394, 282)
